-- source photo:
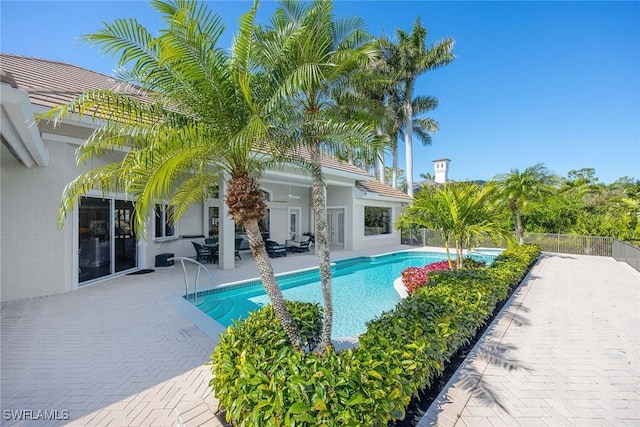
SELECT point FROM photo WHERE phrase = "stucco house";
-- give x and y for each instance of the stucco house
(96, 243)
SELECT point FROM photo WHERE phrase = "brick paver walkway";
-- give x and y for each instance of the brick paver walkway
(564, 352)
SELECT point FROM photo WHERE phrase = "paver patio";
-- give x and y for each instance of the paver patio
(565, 351)
(117, 352)
(120, 353)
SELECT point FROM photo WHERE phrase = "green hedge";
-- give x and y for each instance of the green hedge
(260, 380)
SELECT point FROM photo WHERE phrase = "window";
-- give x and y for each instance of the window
(214, 221)
(213, 192)
(294, 228)
(263, 224)
(292, 222)
(377, 220)
(164, 221)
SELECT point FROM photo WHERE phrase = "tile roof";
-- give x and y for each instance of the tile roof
(383, 189)
(334, 163)
(51, 83)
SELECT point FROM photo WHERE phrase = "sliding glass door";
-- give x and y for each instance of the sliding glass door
(106, 242)
(126, 244)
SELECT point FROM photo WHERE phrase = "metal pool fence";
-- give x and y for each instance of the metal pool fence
(571, 244)
(548, 242)
(628, 253)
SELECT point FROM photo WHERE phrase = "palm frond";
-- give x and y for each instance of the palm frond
(422, 104)
(190, 191)
(101, 178)
(127, 38)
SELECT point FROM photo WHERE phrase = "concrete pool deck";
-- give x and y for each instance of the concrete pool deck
(119, 353)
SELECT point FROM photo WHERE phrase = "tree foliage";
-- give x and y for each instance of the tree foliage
(519, 189)
(580, 204)
(461, 212)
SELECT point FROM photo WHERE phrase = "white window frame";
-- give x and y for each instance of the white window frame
(163, 218)
(389, 225)
(298, 226)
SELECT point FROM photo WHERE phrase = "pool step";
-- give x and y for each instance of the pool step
(209, 304)
(223, 307)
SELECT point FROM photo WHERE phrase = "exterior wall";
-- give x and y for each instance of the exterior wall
(339, 196)
(279, 223)
(441, 171)
(36, 257)
(360, 241)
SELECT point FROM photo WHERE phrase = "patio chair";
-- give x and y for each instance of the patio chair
(299, 245)
(238, 244)
(275, 249)
(302, 246)
(203, 254)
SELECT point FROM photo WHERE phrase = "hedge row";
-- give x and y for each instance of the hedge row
(260, 380)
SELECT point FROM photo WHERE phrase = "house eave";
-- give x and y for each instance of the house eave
(368, 195)
(18, 129)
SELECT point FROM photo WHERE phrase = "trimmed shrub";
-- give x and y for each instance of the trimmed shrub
(260, 380)
(473, 263)
(414, 278)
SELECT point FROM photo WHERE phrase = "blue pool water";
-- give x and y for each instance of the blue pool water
(362, 289)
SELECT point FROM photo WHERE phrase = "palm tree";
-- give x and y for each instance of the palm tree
(193, 109)
(353, 102)
(394, 103)
(461, 212)
(426, 175)
(519, 189)
(413, 58)
(310, 52)
(375, 86)
(422, 127)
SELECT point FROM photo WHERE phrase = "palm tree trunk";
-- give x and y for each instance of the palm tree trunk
(324, 261)
(408, 137)
(446, 247)
(394, 170)
(246, 205)
(259, 252)
(379, 132)
(519, 231)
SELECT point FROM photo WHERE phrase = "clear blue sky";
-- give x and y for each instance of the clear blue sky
(551, 82)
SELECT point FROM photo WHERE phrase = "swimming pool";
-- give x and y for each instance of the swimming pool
(362, 289)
